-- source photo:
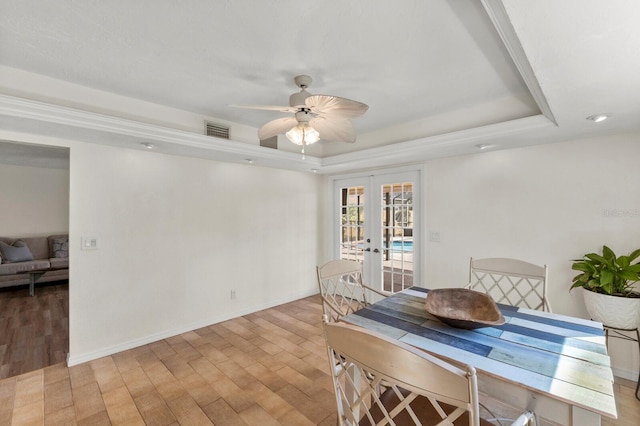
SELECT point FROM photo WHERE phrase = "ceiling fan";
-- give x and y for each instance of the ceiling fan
(315, 117)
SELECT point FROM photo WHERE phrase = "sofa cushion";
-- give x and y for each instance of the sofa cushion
(14, 268)
(39, 247)
(18, 252)
(59, 246)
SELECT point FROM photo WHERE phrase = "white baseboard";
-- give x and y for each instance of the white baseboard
(75, 359)
(625, 374)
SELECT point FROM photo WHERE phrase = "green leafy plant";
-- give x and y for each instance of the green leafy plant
(608, 274)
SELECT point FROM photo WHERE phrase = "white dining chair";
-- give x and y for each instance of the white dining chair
(342, 290)
(418, 388)
(511, 281)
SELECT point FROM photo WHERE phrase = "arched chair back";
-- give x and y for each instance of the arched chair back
(511, 282)
(341, 288)
(384, 381)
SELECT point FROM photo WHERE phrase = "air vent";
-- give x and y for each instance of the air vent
(216, 130)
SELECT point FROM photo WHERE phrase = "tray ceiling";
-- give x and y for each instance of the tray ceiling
(425, 68)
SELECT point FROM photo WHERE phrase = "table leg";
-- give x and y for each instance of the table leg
(33, 277)
(32, 284)
(582, 417)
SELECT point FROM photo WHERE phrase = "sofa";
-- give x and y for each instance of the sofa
(31, 253)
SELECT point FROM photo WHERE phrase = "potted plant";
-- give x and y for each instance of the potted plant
(608, 283)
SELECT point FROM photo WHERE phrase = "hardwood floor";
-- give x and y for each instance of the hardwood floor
(34, 331)
(267, 368)
(627, 404)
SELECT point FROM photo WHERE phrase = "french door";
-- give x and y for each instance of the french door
(376, 223)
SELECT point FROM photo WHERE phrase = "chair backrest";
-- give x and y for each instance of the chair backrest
(511, 281)
(371, 362)
(341, 288)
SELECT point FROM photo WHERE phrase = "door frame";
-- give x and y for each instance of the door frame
(419, 227)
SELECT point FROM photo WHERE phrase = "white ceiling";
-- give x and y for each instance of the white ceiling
(433, 72)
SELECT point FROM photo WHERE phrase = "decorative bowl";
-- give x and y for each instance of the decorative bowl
(463, 308)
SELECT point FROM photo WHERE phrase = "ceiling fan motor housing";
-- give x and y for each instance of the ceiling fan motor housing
(297, 99)
(303, 116)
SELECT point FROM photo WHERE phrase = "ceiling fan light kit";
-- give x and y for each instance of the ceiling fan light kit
(303, 135)
(315, 117)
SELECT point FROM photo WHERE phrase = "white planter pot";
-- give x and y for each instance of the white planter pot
(613, 311)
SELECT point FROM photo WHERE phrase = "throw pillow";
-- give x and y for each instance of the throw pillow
(18, 252)
(60, 247)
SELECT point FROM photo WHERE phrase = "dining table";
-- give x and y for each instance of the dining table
(555, 365)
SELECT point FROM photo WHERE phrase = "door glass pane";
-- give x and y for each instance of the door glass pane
(397, 236)
(352, 223)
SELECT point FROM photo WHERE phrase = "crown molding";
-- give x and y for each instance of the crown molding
(73, 124)
(109, 130)
(500, 19)
(454, 143)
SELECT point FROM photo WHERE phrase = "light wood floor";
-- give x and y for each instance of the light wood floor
(267, 368)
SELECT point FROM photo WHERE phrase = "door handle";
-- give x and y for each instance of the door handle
(376, 251)
(367, 249)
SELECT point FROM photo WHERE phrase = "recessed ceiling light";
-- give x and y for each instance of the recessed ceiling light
(483, 146)
(598, 117)
(147, 145)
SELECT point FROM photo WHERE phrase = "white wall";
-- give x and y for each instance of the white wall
(176, 235)
(34, 201)
(546, 204)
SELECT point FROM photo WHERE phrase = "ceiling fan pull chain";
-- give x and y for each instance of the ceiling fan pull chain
(303, 151)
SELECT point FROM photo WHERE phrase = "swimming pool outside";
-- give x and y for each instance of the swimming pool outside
(401, 246)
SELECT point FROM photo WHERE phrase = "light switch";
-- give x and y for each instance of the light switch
(89, 243)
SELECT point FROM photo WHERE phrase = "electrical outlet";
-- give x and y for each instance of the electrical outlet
(434, 236)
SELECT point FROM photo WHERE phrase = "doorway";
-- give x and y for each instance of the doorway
(34, 191)
(376, 222)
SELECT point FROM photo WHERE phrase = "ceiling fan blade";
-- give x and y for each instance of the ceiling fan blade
(334, 106)
(334, 129)
(267, 107)
(277, 126)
